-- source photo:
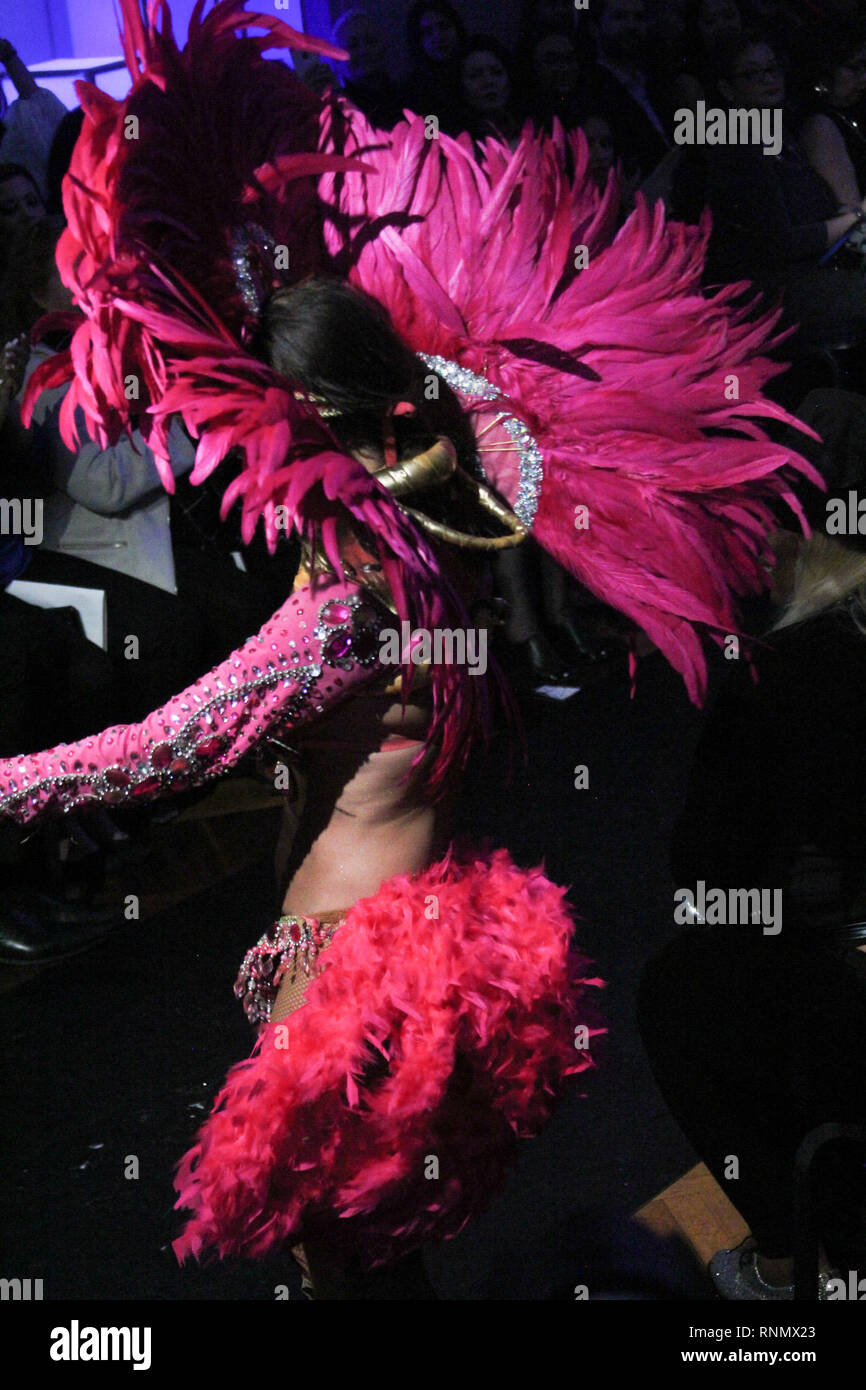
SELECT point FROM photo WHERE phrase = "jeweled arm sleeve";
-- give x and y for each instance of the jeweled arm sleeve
(310, 655)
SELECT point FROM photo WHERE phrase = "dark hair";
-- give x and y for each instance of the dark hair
(29, 258)
(416, 13)
(338, 343)
(729, 54)
(692, 42)
(17, 171)
(549, 32)
(485, 43)
(60, 156)
(829, 45)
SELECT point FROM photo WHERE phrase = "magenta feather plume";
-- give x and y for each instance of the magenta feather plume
(644, 394)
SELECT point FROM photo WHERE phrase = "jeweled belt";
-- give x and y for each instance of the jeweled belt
(291, 943)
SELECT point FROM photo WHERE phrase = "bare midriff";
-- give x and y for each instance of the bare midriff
(362, 820)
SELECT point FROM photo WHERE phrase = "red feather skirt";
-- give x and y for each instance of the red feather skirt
(450, 1008)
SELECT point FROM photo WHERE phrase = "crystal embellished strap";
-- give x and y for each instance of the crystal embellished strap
(307, 657)
(529, 457)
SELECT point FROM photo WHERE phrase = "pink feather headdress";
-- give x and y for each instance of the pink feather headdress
(604, 388)
(175, 199)
(616, 407)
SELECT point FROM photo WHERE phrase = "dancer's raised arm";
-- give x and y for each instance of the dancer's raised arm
(321, 644)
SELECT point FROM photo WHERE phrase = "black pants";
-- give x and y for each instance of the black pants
(178, 638)
(754, 1042)
(55, 686)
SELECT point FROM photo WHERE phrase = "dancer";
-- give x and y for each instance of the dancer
(371, 345)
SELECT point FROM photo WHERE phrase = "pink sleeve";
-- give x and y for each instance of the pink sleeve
(313, 652)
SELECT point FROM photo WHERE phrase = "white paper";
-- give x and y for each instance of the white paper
(90, 604)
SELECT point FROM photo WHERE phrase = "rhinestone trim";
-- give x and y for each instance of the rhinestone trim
(265, 965)
(530, 458)
(195, 753)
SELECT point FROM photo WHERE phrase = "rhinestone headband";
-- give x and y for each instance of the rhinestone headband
(529, 457)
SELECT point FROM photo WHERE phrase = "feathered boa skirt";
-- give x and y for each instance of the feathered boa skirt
(450, 1009)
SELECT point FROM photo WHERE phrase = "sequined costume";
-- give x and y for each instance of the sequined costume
(449, 1006)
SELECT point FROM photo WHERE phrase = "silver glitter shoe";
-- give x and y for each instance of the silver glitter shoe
(735, 1275)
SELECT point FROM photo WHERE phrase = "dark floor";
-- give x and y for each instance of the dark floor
(112, 1057)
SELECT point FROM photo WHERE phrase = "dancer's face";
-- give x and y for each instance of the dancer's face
(20, 203)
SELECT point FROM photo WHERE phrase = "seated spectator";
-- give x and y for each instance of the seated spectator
(756, 1030)
(366, 81)
(774, 217)
(107, 524)
(603, 153)
(488, 91)
(628, 86)
(830, 136)
(60, 157)
(21, 203)
(51, 678)
(708, 25)
(558, 83)
(548, 16)
(27, 126)
(435, 35)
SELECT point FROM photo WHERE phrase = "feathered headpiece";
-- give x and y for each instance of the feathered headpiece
(617, 408)
(187, 203)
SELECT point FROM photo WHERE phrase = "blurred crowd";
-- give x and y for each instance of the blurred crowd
(790, 223)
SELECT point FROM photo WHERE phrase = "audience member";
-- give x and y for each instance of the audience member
(756, 1028)
(435, 35)
(59, 158)
(107, 525)
(27, 126)
(489, 92)
(708, 25)
(20, 204)
(629, 84)
(774, 217)
(558, 83)
(831, 136)
(366, 81)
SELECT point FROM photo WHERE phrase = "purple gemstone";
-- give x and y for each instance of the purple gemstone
(178, 767)
(337, 645)
(335, 612)
(116, 777)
